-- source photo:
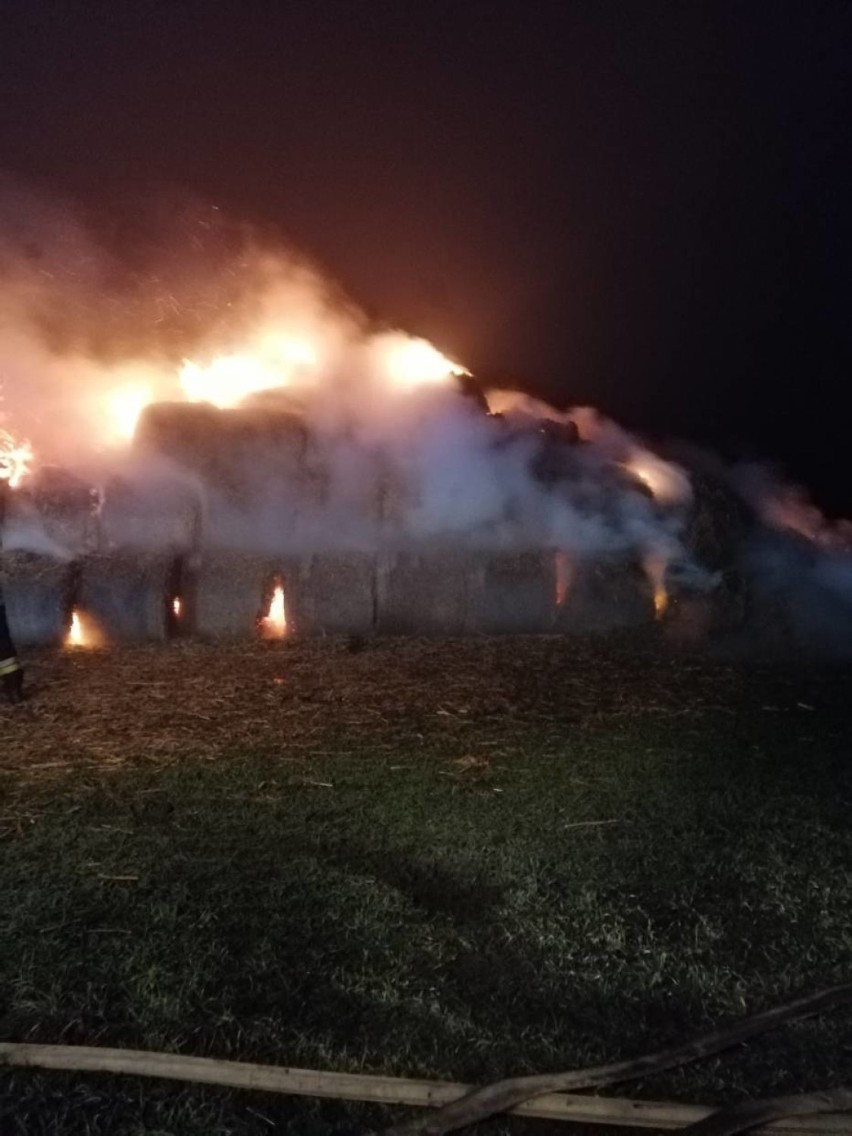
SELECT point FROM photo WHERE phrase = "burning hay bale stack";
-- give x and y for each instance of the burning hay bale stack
(230, 593)
(224, 515)
(127, 595)
(149, 529)
(264, 485)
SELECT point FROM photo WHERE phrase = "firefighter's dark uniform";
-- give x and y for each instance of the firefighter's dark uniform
(11, 672)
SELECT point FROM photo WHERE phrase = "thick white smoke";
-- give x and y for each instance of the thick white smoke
(90, 334)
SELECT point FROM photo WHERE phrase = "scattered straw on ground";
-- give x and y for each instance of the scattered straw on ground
(157, 703)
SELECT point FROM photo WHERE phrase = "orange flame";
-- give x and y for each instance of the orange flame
(83, 631)
(563, 577)
(661, 601)
(412, 362)
(274, 624)
(668, 484)
(177, 607)
(15, 459)
(229, 379)
(655, 569)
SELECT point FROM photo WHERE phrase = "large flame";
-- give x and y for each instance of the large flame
(16, 459)
(125, 404)
(411, 362)
(274, 624)
(226, 380)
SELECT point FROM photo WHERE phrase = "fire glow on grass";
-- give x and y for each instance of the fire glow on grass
(273, 625)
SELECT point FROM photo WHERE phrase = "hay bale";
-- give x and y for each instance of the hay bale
(127, 596)
(715, 535)
(54, 528)
(331, 593)
(604, 595)
(67, 507)
(234, 450)
(229, 593)
(423, 593)
(718, 523)
(37, 594)
(800, 599)
(149, 513)
(512, 593)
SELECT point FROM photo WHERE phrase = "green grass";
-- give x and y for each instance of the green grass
(609, 851)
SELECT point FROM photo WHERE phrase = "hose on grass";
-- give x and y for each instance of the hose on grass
(457, 1105)
(754, 1114)
(501, 1096)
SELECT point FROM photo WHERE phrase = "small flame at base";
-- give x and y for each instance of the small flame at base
(655, 569)
(563, 577)
(274, 624)
(661, 602)
(83, 631)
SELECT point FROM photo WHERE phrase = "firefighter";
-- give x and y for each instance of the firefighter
(11, 671)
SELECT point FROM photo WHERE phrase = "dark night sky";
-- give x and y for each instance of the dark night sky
(640, 205)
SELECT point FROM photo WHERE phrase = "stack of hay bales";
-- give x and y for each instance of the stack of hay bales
(257, 485)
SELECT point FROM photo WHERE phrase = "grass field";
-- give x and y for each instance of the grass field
(450, 859)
